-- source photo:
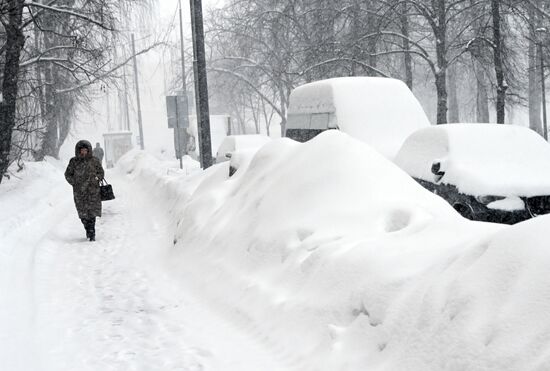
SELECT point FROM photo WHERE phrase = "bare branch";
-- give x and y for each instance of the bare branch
(105, 74)
(69, 12)
(252, 85)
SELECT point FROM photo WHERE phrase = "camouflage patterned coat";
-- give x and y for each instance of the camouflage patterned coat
(84, 174)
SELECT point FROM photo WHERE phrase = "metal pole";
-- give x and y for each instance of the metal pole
(183, 83)
(201, 85)
(177, 135)
(141, 141)
(544, 123)
(125, 102)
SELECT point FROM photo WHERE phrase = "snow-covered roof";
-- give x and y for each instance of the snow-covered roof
(480, 159)
(381, 112)
(314, 97)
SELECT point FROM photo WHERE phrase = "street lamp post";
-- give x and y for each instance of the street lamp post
(542, 31)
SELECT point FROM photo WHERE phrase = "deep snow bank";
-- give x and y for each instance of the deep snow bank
(337, 259)
(36, 186)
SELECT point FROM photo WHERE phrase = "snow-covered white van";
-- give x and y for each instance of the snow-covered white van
(381, 112)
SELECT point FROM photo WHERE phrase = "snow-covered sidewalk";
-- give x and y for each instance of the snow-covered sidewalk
(69, 304)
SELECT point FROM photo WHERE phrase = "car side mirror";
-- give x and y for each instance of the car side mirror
(436, 170)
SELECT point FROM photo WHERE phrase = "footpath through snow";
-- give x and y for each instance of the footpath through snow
(68, 304)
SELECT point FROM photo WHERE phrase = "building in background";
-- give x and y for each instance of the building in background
(116, 145)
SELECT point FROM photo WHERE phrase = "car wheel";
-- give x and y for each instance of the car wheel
(464, 210)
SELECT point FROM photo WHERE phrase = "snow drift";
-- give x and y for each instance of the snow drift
(337, 260)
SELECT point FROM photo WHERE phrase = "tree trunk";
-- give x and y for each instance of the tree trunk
(454, 111)
(372, 28)
(440, 33)
(482, 97)
(64, 126)
(535, 98)
(283, 126)
(38, 74)
(407, 57)
(284, 94)
(283, 121)
(267, 118)
(441, 88)
(499, 67)
(321, 39)
(49, 115)
(15, 40)
(356, 29)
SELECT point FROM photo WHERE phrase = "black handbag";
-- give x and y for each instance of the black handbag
(106, 191)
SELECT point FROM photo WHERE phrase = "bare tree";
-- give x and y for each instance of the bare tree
(66, 54)
(273, 46)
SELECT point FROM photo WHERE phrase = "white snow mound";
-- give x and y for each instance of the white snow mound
(339, 261)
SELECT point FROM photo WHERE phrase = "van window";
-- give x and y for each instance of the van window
(319, 121)
(298, 121)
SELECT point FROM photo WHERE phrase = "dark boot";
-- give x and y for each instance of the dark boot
(85, 222)
(92, 229)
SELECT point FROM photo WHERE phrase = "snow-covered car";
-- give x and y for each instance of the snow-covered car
(381, 112)
(233, 143)
(239, 148)
(487, 172)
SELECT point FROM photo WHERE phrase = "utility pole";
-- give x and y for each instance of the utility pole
(141, 141)
(543, 87)
(125, 101)
(201, 85)
(185, 113)
(177, 136)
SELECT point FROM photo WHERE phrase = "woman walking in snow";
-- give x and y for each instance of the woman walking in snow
(84, 173)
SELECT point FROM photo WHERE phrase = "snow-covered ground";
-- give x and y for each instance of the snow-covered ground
(317, 256)
(68, 304)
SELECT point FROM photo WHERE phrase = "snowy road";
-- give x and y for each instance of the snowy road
(68, 304)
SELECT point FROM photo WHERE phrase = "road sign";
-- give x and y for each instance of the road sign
(176, 109)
